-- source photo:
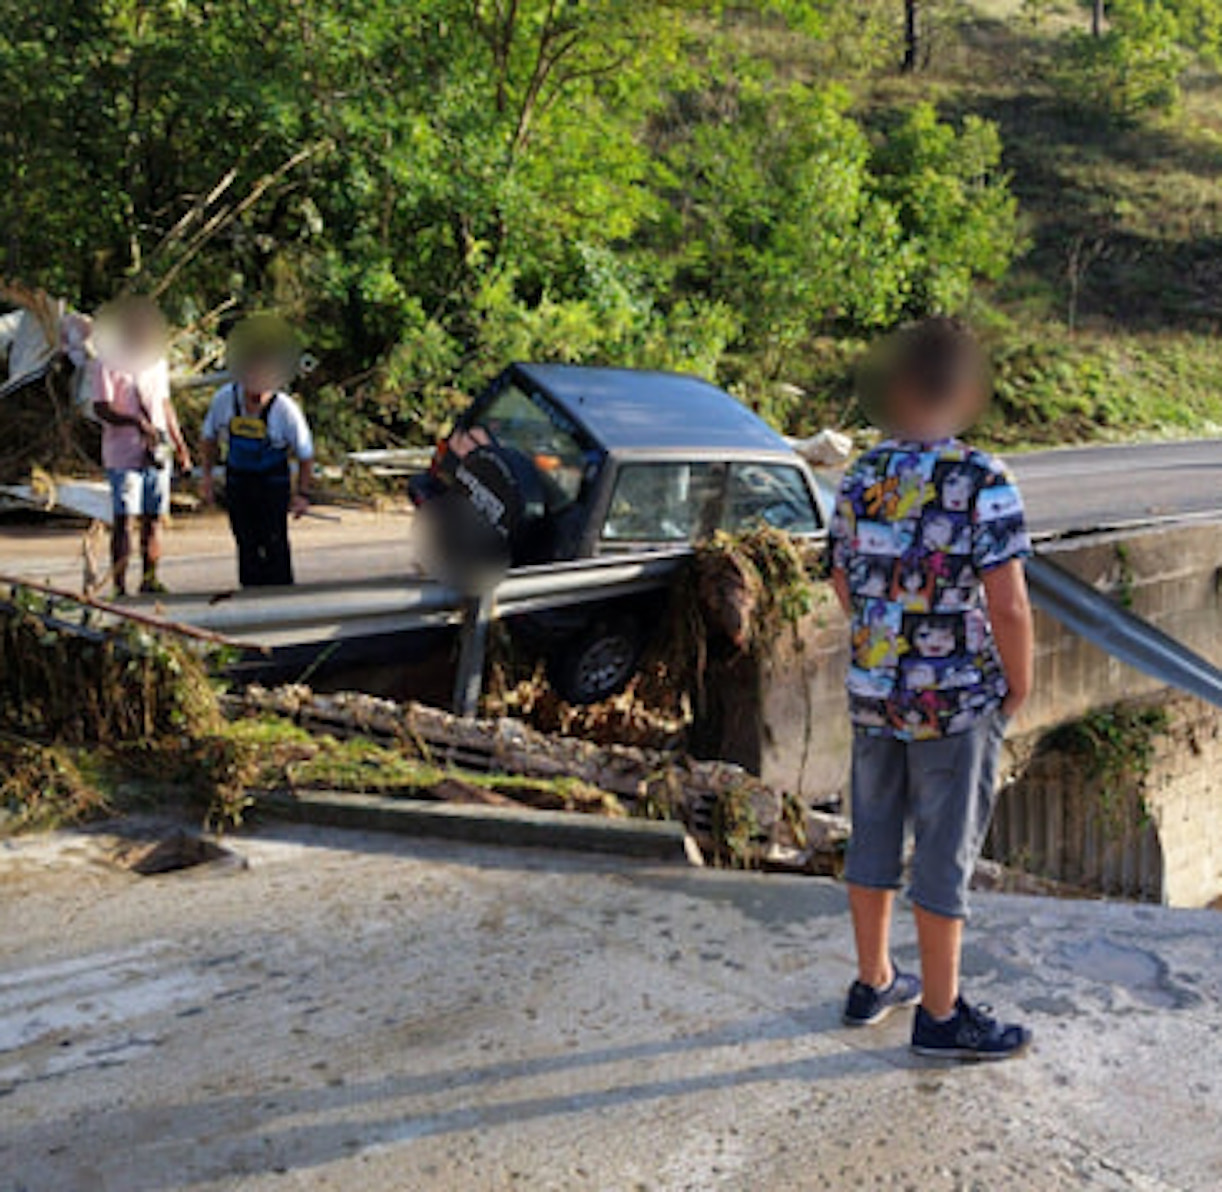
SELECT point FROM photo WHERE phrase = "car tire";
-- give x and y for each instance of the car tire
(598, 662)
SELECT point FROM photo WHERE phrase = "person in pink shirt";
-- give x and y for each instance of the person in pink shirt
(140, 432)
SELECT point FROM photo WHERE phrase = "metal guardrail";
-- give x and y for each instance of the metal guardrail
(322, 614)
(326, 613)
(1121, 633)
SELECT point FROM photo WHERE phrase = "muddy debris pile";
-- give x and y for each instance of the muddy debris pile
(740, 593)
(90, 706)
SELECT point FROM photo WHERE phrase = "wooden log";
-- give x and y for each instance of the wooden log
(454, 790)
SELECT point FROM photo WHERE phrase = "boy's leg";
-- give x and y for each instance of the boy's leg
(871, 911)
(953, 788)
(123, 506)
(874, 864)
(150, 550)
(953, 782)
(120, 551)
(156, 506)
(941, 941)
(279, 560)
(241, 503)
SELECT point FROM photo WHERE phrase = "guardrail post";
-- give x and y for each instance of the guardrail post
(473, 650)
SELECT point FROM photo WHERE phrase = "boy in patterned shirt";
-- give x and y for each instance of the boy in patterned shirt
(927, 547)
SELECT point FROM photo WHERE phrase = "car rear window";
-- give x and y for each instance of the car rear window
(532, 425)
(776, 495)
(665, 502)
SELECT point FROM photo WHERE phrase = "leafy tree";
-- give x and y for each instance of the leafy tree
(788, 214)
(953, 203)
(1131, 67)
(430, 187)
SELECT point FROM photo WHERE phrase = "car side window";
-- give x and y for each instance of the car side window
(665, 502)
(775, 495)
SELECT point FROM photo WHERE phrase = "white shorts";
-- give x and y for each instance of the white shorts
(139, 492)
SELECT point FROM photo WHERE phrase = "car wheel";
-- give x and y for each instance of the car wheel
(597, 663)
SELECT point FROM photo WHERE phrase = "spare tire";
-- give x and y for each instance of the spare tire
(492, 516)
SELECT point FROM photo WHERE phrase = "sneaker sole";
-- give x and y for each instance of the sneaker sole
(881, 1016)
(967, 1055)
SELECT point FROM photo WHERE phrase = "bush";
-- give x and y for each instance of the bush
(1131, 69)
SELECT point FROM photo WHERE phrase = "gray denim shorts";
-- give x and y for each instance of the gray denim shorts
(946, 789)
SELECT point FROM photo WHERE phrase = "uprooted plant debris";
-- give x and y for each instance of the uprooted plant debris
(68, 678)
(137, 709)
(41, 425)
(134, 707)
(739, 594)
(736, 819)
(43, 787)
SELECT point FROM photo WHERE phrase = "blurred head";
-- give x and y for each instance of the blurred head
(263, 353)
(131, 333)
(930, 380)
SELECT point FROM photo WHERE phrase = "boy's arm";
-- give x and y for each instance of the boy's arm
(104, 407)
(840, 584)
(1010, 612)
(207, 448)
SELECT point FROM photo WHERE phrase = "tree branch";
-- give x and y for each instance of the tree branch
(227, 215)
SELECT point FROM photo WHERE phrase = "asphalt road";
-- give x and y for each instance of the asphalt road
(1092, 487)
(1071, 489)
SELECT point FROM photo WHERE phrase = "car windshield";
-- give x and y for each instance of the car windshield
(685, 501)
(532, 425)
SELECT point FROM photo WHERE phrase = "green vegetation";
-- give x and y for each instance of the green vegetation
(748, 191)
(43, 788)
(1117, 747)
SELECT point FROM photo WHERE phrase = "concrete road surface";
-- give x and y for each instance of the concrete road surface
(366, 1014)
(1071, 489)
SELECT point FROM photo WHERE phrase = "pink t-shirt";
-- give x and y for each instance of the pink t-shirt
(123, 447)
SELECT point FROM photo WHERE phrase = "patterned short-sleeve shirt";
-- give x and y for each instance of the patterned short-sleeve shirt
(915, 528)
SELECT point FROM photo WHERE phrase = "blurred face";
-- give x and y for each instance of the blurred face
(913, 414)
(264, 374)
(131, 335)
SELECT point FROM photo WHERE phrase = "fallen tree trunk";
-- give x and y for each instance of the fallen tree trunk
(734, 817)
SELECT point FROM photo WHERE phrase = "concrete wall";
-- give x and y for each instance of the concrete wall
(1184, 794)
(1155, 836)
(1170, 576)
(789, 724)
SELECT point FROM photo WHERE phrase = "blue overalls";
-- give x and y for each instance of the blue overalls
(257, 485)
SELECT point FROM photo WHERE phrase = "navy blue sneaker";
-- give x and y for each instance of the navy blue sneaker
(971, 1033)
(866, 1005)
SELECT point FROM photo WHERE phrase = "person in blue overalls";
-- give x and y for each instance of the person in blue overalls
(261, 429)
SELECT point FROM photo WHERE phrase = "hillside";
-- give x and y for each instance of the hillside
(1105, 326)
